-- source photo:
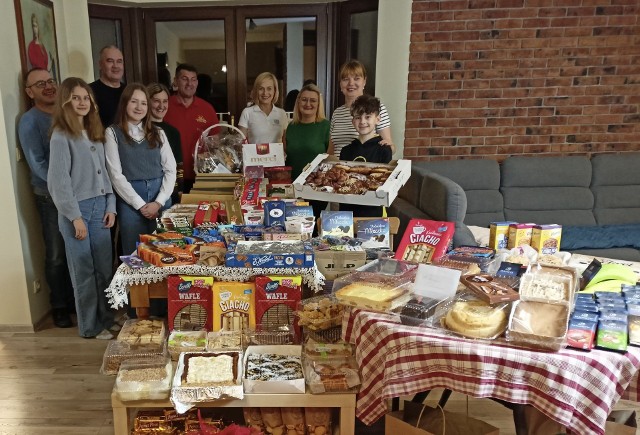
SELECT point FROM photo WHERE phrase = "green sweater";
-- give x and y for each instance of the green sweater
(304, 143)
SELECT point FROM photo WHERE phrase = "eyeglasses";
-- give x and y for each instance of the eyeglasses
(43, 83)
(309, 100)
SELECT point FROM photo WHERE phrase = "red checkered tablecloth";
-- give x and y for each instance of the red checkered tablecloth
(577, 389)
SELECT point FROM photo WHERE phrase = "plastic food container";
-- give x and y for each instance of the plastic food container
(331, 375)
(319, 313)
(144, 379)
(279, 336)
(538, 325)
(225, 340)
(186, 341)
(142, 331)
(119, 351)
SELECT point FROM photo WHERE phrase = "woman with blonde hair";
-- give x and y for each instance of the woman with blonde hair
(262, 121)
(307, 135)
(141, 166)
(82, 192)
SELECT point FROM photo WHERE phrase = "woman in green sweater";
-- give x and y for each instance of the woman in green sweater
(307, 135)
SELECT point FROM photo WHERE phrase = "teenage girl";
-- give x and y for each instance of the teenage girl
(141, 166)
(262, 121)
(82, 192)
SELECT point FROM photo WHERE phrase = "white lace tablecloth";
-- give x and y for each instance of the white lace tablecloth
(118, 294)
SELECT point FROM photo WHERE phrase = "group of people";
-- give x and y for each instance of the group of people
(104, 149)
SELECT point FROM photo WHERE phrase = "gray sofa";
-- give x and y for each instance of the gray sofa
(574, 191)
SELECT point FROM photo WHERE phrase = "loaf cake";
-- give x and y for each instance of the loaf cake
(372, 295)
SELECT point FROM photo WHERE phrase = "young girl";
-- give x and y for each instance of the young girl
(262, 121)
(141, 166)
(81, 190)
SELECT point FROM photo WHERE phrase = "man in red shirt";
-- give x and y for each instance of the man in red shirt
(191, 115)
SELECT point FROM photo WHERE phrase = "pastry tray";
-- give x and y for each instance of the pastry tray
(144, 379)
(192, 394)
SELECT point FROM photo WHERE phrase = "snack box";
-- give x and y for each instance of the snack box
(489, 289)
(229, 212)
(546, 238)
(285, 386)
(189, 302)
(336, 223)
(384, 195)
(234, 306)
(334, 264)
(144, 379)
(519, 234)
(499, 234)
(425, 240)
(270, 254)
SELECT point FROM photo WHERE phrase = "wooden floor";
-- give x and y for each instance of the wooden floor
(50, 384)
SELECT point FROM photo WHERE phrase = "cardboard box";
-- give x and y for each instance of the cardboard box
(232, 208)
(546, 238)
(334, 264)
(223, 184)
(292, 386)
(234, 306)
(267, 155)
(519, 234)
(301, 255)
(383, 196)
(189, 302)
(394, 225)
(499, 234)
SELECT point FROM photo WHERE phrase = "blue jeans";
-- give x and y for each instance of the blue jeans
(56, 270)
(131, 221)
(90, 266)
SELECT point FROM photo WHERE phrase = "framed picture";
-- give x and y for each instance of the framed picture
(37, 36)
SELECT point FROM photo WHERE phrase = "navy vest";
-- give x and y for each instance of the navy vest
(138, 161)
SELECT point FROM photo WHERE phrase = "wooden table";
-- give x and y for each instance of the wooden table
(122, 411)
(140, 295)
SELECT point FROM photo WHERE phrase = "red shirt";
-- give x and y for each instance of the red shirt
(191, 122)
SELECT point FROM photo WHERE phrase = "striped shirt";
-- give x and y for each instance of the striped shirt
(343, 132)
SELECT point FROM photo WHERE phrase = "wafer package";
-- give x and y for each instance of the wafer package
(425, 241)
(277, 298)
(189, 302)
(234, 306)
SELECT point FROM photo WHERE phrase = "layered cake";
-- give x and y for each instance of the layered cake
(210, 369)
(376, 296)
(273, 367)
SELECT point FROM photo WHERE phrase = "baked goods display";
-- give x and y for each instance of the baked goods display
(417, 312)
(546, 285)
(474, 318)
(374, 296)
(142, 379)
(273, 367)
(347, 178)
(142, 331)
(186, 341)
(224, 340)
(326, 375)
(319, 312)
(119, 351)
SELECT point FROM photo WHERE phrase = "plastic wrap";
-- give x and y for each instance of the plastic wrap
(417, 312)
(119, 351)
(538, 324)
(142, 331)
(225, 340)
(331, 375)
(319, 313)
(548, 284)
(281, 335)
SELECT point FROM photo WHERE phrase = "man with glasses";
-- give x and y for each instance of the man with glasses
(33, 132)
(108, 88)
(191, 115)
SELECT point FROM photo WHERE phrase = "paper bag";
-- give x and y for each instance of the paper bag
(434, 421)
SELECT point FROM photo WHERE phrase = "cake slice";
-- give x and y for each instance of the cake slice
(210, 369)
(373, 295)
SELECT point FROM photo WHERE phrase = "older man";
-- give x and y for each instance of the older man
(33, 132)
(108, 88)
(191, 115)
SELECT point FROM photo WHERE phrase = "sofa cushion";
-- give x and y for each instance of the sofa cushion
(480, 180)
(600, 237)
(616, 188)
(548, 190)
(411, 190)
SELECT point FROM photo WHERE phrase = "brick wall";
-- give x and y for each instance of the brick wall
(493, 78)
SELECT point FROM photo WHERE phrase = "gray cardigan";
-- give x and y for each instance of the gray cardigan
(77, 172)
